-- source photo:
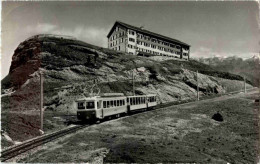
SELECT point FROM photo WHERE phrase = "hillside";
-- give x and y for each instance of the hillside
(250, 68)
(72, 69)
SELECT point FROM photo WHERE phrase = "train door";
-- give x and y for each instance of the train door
(99, 111)
(146, 102)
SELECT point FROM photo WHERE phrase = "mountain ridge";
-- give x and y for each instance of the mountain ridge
(248, 68)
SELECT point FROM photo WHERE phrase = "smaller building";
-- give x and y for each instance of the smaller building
(138, 41)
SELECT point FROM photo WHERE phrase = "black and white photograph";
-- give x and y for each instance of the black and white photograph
(130, 82)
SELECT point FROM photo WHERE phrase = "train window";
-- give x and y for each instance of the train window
(127, 100)
(121, 102)
(108, 104)
(81, 105)
(111, 103)
(134, 100)
(131, 101)
(117, 103)
(138, 100)
(90, 105)
(114, 102)
(104, 104)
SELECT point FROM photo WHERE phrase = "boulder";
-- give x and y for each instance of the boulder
(217, 117)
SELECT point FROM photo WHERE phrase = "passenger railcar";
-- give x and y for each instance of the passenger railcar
(151, 101)
(100, 107)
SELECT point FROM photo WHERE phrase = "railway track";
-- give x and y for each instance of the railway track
(28, 145)
(23, 147)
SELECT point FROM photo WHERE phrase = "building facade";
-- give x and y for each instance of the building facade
(138, 41)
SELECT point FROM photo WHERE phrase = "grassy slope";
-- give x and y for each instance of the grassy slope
(183, 133)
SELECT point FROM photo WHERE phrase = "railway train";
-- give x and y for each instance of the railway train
(100, 107)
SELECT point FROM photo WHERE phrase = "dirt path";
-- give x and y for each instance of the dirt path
(180, 133)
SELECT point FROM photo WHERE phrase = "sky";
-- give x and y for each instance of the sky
(217, 28)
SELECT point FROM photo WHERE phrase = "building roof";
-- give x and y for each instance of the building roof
(141, 30)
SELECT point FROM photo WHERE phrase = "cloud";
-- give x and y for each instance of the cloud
(41, 28)
(92, 35)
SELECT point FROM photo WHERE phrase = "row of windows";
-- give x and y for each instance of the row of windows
(152, 99)
(154, 46)
(117, 35)
(115, 42)
(140, 100)
(136, 100)
(113, 103)
(86, 105)
(156, 53)
(141, 36)
(131, 46)
(116, 48)
(185, 54)
(131, 39)
(131, 32)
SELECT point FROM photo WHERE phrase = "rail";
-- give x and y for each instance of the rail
(28, 145)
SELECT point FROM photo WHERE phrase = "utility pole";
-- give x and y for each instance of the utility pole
(133, 83)
(198, 96)
(244, 84)
(41, 100)
(107, 77)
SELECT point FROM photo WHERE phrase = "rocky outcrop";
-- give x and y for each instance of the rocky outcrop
(65, 61)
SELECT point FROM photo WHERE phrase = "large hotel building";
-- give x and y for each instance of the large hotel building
(138, 41)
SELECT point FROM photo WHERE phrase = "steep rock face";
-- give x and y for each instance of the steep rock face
(72, 68)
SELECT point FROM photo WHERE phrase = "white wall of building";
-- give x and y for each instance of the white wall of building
(128, 43)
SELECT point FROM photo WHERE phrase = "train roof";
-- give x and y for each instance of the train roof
(99, 97)
(87, 98)
(143, 95)
(110, 96)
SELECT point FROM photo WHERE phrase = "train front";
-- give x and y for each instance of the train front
(86, 109)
